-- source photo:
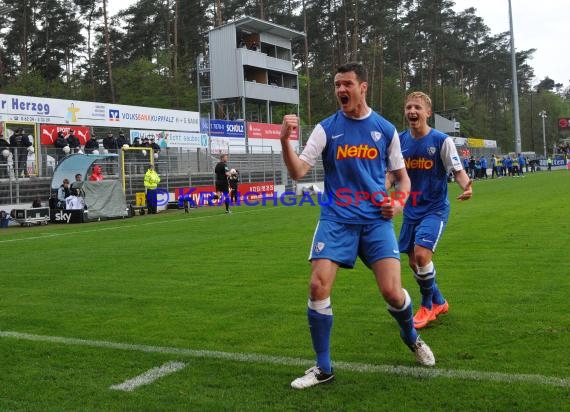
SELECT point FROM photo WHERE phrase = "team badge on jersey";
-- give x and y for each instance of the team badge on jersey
(319, 246)
(376, 135)
(431, 150)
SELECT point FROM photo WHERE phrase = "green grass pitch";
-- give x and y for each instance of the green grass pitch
(86, 307)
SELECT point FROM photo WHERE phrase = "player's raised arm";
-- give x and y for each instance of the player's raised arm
(296, 167)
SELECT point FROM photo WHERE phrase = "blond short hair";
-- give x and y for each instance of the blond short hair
(421, 96)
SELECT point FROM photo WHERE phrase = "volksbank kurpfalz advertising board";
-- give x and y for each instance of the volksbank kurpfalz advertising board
(173, 139)
(14, 108)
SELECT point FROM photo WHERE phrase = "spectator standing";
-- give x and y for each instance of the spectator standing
(20, 143)
(362, 229)
(483, 161)
(4, 145)
(110, 145)
(478, 171)
(494, 167)
(151, 181)
(472, 165)
(60, 143)
(92, 145)
(121, 140)
(508, 165)
(522, 164)
(515, 163)
(73, 142)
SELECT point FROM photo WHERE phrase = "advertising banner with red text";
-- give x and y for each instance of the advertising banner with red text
(48, 133)
(267, 131)
(247, 192)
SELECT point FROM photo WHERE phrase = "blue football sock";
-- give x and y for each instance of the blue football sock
(437, 297)
(320, 318)
(425, 277)
(405, 318)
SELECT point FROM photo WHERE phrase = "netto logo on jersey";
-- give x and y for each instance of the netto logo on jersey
(361, 152)
(421, 163)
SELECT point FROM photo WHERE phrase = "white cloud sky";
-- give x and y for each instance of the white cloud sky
(543, 26)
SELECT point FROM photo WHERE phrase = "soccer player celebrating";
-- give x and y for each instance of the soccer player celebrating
(358, 147)
(430, 156)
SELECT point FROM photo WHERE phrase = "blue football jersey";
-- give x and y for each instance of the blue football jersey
(428, 161)
(356, 154)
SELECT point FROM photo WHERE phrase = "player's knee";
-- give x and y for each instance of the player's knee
(423, 257)
(393, 296)
(318, 289)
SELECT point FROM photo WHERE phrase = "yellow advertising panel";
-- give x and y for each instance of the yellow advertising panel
(474, 142)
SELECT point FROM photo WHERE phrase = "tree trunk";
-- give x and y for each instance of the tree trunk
(219, 21)
(355, 34)
(89, 52)
(108, 51)
(307, 73)
(175, 55)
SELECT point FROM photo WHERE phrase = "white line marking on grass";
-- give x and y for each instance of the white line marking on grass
(131, 226)
(149, 376)
(416, 372)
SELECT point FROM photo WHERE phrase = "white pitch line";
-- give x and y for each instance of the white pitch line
(149, 376)
(416, 372)
(129, 226)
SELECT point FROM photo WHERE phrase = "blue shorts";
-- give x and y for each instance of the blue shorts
(343, 242)
(425, 233)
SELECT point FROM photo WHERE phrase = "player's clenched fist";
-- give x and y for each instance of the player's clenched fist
(290, 123)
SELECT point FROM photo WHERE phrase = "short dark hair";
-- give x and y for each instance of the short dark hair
(357, 68)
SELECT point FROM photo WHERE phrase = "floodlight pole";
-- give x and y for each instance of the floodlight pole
(542, 114)
(516, 115)
(199, 63)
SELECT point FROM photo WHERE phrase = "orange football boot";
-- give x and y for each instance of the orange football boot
(423, 317)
